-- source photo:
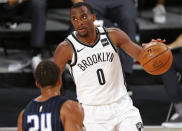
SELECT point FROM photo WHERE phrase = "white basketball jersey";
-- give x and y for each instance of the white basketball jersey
(97, 70)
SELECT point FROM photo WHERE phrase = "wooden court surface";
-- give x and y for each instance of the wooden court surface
(160, 128)
(147, 128)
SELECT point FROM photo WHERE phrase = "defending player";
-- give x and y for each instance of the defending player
(50, 111)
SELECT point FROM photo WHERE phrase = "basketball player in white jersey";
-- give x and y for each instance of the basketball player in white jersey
(94, 63)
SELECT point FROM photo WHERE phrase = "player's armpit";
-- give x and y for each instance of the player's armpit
(72, 116)
(20, 117)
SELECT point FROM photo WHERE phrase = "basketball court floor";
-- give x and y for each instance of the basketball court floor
(147, 128)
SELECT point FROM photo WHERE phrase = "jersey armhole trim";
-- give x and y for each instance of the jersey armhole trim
(101, 30)
(72, 63)
(112, 44)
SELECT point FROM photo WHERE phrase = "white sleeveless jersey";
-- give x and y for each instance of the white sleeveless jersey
(96, 70)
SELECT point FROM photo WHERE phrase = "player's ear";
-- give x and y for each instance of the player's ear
(37, 84)
(93, 17)
(58, 84)
(59, 81)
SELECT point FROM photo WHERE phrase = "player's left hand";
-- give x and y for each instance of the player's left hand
(158, 40)
(154, 41)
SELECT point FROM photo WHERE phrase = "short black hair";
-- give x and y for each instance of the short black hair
(47, 73)
(79, 4)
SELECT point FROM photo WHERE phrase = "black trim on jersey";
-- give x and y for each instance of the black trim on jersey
(98, 38)
(103, 33)
(114, 47)
(124, 77)
(117, 51)
(71, 72)
(75, 53)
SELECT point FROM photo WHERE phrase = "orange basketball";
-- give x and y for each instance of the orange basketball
(156, 58)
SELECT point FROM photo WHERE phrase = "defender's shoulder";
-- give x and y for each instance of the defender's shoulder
(69, 105)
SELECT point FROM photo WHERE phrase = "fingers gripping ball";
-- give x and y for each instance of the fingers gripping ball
(156, 58)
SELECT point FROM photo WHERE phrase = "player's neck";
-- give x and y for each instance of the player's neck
(90, 39)
(47, 93)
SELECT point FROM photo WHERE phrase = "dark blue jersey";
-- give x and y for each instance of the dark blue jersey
(43, 116)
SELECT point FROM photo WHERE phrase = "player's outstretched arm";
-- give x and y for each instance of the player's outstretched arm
(121, 40)
(72, 116)
(20, 121)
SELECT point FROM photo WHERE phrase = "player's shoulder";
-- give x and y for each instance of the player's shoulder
(115, 34)
(64, 48)
(63, 45)
(21, 113)
(72, 107)
(73, 112)
(113, 30)
(69, 105)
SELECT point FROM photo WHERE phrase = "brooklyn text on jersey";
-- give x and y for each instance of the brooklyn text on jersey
(96, 58)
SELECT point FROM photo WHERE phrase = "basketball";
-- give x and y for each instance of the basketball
(156, 58)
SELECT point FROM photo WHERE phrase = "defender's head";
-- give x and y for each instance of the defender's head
(82, 18)
(47, 73)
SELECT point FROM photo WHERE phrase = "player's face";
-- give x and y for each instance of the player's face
(82, 20)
